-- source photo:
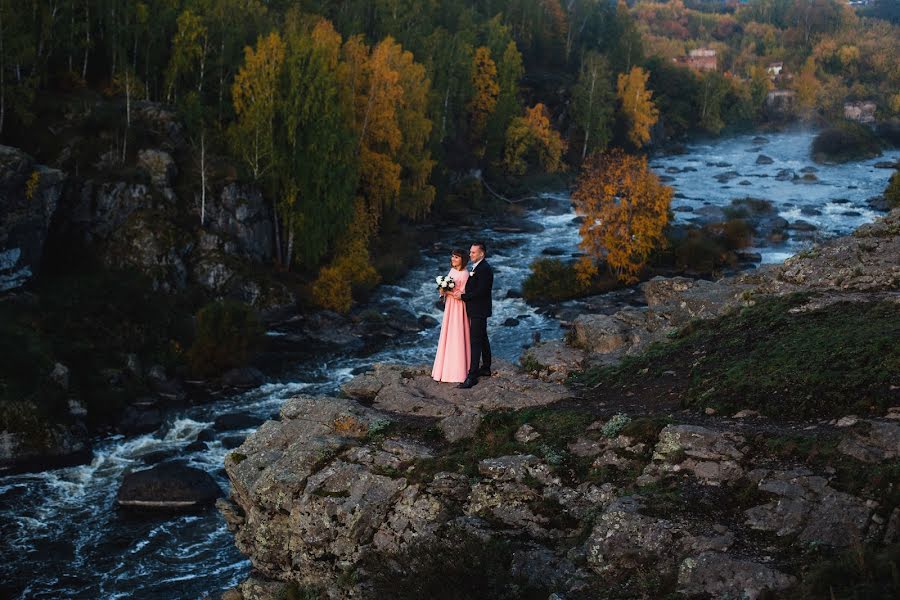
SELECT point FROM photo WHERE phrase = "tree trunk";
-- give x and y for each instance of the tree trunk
(277, 232)
(87, 38)
(2, 74)
(587, 130)
(127, 113)
(202, 177)
(290, 245)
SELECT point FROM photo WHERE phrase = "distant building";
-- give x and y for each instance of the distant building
(863, 112)
(774, 69)
(701, 59)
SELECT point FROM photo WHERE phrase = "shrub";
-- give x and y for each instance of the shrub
(552, 280)
(332, 290)
(615, 425)
(228, 334)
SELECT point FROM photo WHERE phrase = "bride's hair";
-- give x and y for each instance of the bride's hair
(463, 257)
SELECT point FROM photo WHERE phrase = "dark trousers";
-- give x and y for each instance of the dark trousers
(479, 345)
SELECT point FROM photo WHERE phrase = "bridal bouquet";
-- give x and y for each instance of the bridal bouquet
(445, 282)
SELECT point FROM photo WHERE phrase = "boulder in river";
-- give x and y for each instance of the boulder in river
(243, 377)
(801, 225)
(169, 486)
(762, 159)
(878, 203)
(233, 421)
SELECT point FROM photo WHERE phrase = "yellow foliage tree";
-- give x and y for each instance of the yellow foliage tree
(389, 94)
(485, 95)
(254, 95)
(533, 133)
(637, 105)
(625, 210)
(806, 84)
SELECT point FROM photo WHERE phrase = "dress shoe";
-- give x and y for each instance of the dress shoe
(467, 384)
(484, 371)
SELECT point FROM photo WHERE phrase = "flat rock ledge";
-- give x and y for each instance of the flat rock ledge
(337, 497)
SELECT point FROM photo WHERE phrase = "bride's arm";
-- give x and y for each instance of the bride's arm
(460, 288)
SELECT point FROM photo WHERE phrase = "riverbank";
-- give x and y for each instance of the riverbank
(623, 483)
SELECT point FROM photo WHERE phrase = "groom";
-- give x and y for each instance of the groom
(478, 307)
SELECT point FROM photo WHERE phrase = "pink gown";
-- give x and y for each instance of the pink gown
(451, 364)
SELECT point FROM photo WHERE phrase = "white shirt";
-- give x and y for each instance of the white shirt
(475, 265)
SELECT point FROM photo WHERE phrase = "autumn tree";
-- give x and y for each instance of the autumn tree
(625, 210)
(510, 71)
(189, 50)
(254, 94)
(533, 135)
(806, 84)
(593, 103)
(486, 90)
(388, 94)
(637, 106)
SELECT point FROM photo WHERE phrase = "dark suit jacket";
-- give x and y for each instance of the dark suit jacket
(478, 291)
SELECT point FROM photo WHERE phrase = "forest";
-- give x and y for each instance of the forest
(350, 115)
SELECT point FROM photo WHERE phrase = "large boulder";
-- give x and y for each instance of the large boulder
(29, 195)
(805, 506)
(40, 445)
(168, 486)
(711, 456)
(718, 575)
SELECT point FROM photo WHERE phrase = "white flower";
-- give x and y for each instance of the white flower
(439, 278)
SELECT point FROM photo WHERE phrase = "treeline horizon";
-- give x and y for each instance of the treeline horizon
(349, 114)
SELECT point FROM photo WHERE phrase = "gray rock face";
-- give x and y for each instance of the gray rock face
(622, 539)
(553, 360)
(808, 507)
(242, 222)
(873, 442)
(711, 456)
(151, 244)
(29, 195)
(866, 261)
(720, 575)
(160, 166)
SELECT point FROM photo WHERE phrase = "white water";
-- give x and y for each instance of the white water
(62, 536)
(840, 188)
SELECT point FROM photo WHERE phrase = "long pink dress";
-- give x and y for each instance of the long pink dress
(451, 364)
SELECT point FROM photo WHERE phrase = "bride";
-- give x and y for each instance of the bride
(451, 364)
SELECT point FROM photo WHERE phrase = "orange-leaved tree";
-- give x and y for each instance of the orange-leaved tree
(486, 91)
(637, 105)
(533, 134)
(625, 210)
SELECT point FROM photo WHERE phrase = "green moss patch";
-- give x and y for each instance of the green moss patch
(840, 359)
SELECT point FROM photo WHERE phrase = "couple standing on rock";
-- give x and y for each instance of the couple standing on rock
(464, 344)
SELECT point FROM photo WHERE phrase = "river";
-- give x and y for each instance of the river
(62, 535)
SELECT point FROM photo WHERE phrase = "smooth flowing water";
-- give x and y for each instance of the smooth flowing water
(61, 535)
